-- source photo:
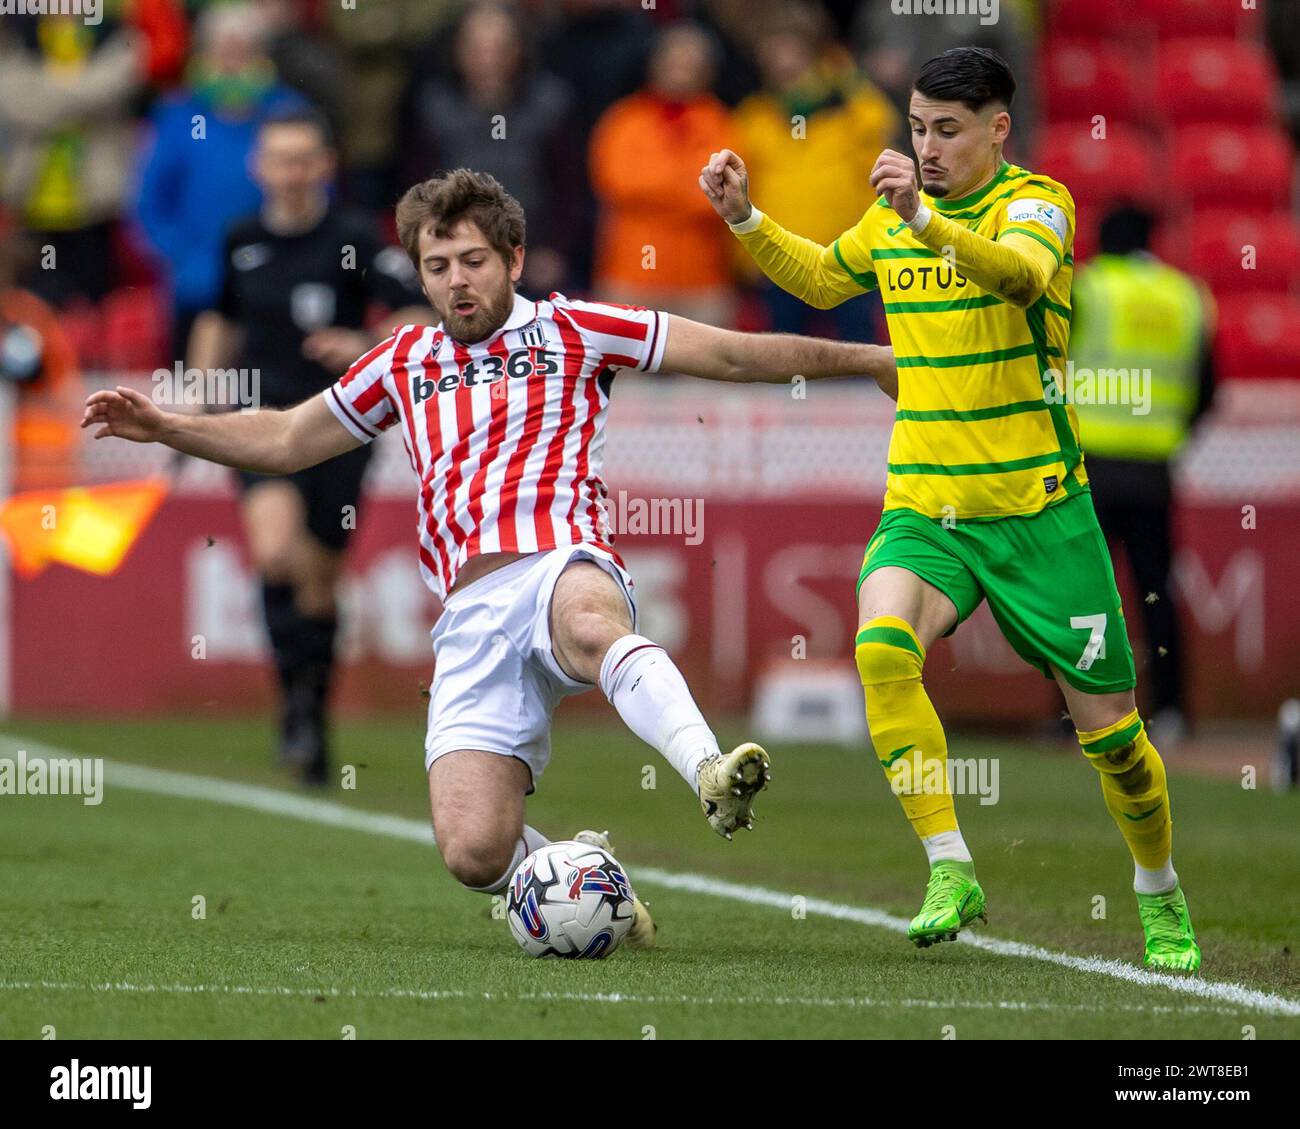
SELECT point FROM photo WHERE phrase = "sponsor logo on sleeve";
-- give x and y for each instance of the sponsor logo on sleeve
(1051, 216)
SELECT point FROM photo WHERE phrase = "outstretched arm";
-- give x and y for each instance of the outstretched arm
(695, 349)
(266, 442)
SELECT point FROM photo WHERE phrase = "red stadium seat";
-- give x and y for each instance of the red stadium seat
(1257, 338)
(133, 265)
(1098, 19)
(82, 323)
(1216, 80)
(1241, 167)
(1082, 78)
(1215, 253)
(1198, 17)
(135, 329)
(1098, 172)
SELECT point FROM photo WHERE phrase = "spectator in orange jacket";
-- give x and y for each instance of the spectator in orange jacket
(658, 243)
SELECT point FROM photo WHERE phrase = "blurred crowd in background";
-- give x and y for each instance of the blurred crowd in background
(124, 144)
(596, 114)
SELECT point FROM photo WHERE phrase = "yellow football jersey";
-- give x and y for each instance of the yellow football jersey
(982, 428)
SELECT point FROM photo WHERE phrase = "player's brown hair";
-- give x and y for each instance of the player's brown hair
(460, 194)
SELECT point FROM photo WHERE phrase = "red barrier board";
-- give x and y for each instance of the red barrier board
(177, 627)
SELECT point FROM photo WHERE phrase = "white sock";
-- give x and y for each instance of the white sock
(1154, 881)
(947, 845)
(652, 698)
(531, 840)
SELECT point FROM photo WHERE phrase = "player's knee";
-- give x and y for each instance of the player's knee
(478, 862)
(277, 564)
(589, 634)
(888, 650)
(316, 600)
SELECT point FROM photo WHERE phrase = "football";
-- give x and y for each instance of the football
(569, 900)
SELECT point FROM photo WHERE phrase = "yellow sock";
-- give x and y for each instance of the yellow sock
(905, 730)
(1133, 786)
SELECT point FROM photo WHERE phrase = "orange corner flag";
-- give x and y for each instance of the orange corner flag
(91, 528)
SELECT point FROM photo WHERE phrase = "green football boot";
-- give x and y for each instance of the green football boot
(1170, 942)
(953, 899)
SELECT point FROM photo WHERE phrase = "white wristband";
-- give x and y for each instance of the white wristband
(921, 220)
(745, 226)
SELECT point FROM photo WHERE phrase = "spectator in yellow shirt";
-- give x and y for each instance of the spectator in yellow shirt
(810, 137)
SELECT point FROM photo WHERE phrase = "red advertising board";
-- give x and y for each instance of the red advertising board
(738, 564)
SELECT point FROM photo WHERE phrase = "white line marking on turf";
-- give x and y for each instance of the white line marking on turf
(1237, 994)
(443, 994)
(141, 778)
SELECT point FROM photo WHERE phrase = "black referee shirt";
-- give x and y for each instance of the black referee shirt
(280, 288)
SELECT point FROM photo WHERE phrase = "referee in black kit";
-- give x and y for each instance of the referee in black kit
(300, 277)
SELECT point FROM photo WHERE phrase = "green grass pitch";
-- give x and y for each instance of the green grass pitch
(317, 931)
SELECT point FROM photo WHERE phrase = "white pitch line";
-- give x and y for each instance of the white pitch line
(141, 778)
(1237, 994)
(444, 994)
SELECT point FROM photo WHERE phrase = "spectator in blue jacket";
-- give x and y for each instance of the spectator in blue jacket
(196, 177)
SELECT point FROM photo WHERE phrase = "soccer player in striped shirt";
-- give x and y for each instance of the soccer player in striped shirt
(501, 408)
(987, 497)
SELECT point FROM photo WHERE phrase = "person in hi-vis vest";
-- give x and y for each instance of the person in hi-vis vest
(1154, 324)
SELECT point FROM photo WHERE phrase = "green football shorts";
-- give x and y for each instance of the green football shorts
(1047, 578)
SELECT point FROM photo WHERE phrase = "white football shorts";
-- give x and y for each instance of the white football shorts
(496, 680)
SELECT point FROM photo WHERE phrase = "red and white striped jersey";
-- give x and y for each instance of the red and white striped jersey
(506, 435)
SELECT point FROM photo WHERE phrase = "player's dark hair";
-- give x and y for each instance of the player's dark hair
(1125, 229)
(973, 76)
(456, 195)
(301, 115)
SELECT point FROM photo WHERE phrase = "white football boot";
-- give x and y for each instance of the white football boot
(642, 933)
(728, 783)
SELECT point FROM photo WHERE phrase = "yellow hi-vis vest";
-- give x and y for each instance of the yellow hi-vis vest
(1135, 350)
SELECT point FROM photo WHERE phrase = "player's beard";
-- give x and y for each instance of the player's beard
(484, 321)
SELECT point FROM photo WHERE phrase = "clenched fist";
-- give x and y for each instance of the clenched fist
(725, 182)
(894, 178)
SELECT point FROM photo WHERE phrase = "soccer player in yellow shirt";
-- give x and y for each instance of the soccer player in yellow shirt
(987, 497)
